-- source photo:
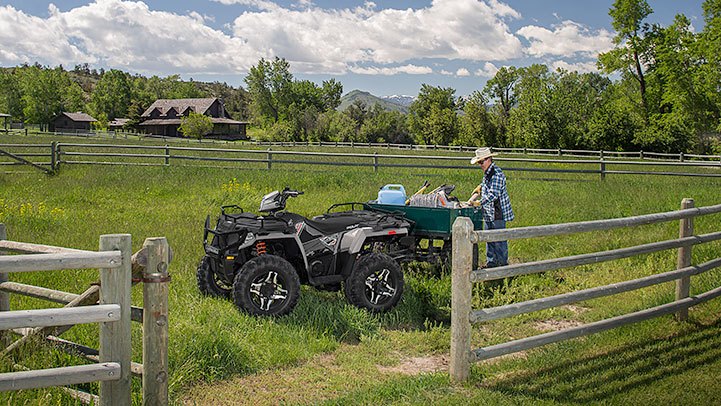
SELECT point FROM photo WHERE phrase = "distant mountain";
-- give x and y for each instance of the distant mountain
(369, 101)
(403, 100)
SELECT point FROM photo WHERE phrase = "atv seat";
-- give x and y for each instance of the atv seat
(332, 224)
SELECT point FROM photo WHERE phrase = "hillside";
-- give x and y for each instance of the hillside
(369, 101)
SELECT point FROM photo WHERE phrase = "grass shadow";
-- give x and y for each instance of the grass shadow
(599, 377)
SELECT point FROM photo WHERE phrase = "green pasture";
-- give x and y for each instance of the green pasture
(327, 351)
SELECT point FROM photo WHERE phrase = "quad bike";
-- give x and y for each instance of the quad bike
(261, 261)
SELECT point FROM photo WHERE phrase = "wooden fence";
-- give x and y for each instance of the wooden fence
(112, 364)
(57, 154)
(463, 277)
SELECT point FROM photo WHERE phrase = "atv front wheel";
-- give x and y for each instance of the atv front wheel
(376, 283)
(266, 286)
(209, 283)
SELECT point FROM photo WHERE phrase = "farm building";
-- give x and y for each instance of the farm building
(118, 124)
(5, 118)
(163, 117)
(72, 122)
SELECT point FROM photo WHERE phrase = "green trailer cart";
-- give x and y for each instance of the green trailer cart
(431, 232)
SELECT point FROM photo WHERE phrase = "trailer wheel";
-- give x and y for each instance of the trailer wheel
(266, 286)
(208, 281)
(376, 283)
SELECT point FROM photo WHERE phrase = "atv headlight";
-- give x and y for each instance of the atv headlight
(249, 239)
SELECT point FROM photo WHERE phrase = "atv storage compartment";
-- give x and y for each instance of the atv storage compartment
(392, 194)
(433, 221)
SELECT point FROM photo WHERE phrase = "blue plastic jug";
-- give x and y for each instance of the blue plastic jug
(392, 194)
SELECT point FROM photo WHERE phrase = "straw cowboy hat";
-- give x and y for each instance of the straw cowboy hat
(481, 154)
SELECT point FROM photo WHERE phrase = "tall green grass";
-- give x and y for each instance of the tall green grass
(210, 340)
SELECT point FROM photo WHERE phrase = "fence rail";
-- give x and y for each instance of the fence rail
(463, 278)
(112, 365)
(58, 154)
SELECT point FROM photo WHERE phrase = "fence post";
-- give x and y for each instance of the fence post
(155, 322)
(375, 162)
(560, 152)
(683, 285)
(115, 336)
(461, 299)
(53, 157)
(270, 158)
(4, 296)
(603, 169)
(58, 153)
(167, 155)
(640, 154)
(680, 156)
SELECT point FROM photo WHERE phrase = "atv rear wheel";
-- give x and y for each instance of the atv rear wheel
(376, 283)
(266, 286)
(208, 281)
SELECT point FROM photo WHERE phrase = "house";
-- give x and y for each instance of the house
(118, 124)
(72, 122)
(6, 118)
(163, 117)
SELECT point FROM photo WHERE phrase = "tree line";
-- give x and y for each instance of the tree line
(658, 89)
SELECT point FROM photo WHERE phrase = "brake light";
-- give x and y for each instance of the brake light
(392, 232)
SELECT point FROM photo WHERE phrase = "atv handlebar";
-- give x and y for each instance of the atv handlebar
(288, 192)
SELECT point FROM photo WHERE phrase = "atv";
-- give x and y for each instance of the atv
(261, 261)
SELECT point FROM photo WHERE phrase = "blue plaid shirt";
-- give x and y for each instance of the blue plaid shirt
(493, 189)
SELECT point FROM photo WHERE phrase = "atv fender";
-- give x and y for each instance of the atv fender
(353, 241)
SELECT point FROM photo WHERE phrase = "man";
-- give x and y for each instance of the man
(493, 197)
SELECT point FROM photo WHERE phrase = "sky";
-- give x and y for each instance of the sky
(385, 47)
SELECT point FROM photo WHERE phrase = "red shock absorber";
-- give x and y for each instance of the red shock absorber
(260, 248)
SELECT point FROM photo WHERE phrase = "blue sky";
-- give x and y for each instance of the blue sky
(385, 47)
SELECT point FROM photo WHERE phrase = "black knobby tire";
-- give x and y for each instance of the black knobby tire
(266, 286)
(209, 283)
(376, 283)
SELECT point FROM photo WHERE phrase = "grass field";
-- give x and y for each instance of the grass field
(327, 351)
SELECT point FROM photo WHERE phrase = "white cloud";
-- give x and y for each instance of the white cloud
(130, 35)
(27, 38)
(488, 71)
(408, 69)
(463, 72)
(580, 67)
(566, 39)
(125, 35)
(325, 38)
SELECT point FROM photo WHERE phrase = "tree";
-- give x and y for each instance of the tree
(10, 93)
(573, 98)
(43, 92)
(630, 53)
(381, 125)
(335, 126)
(432, 117)
(196, 125)
(532, 122)
(500, 88)
(269, 86)
(112, 94)
(477, 127)
(709, 47)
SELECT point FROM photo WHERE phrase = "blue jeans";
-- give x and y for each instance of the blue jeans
(496, 252)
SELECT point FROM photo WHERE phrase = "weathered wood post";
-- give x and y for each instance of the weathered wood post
(603, 169)
(167, 155)
(53, 156)
(270, 158)
(155, 322)
(683, 285)
(461, 299)
(375, 162)
(4, 296)
(115, 343)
